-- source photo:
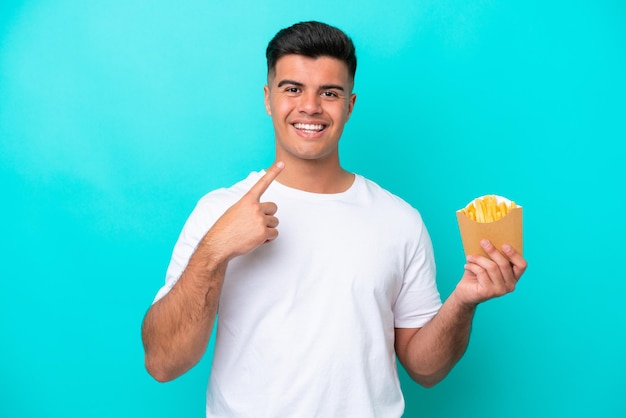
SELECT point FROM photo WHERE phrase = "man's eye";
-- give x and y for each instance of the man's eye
(330, 94)
(292, 90)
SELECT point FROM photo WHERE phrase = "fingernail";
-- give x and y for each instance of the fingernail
(484, 243)
(506, 248)
(280, 164)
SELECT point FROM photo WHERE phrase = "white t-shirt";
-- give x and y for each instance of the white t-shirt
(306, 322)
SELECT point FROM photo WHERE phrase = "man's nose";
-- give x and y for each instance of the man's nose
(310, 103)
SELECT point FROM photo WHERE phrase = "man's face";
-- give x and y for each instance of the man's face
(309, 100)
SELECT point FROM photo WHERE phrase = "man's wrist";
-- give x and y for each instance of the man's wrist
(462, 305)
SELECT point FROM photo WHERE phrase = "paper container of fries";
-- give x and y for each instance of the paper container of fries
(493, 217)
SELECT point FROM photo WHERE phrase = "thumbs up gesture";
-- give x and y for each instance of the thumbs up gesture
(247, 224)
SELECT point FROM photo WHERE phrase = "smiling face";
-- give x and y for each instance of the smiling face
(309, 100)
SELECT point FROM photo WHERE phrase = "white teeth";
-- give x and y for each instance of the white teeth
(308, 126)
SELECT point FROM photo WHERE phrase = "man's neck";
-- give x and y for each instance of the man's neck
(316, 176)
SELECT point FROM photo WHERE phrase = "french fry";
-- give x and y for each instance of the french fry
(491, 217)
(487, 209)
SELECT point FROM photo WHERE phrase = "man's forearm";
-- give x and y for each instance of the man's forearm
(177, 328)
(429, 355)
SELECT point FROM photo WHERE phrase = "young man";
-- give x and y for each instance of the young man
(310, 321)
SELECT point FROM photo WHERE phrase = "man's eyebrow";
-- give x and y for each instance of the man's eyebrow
(332, 87)
(291, 82)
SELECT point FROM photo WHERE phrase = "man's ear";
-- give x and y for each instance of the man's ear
(351, 103)
(266, 92)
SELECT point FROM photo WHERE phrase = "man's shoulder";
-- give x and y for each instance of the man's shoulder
(232, 192)
(215, 202)
(384, 196)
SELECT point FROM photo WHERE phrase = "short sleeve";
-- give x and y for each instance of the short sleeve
(419, 300)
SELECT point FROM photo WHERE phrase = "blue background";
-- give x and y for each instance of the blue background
(117, 116)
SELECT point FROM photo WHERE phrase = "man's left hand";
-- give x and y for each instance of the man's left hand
(492, 276)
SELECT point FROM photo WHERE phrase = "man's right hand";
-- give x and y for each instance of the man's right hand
(247, 224)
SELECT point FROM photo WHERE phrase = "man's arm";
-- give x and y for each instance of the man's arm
(177, 328)
(429, 353)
